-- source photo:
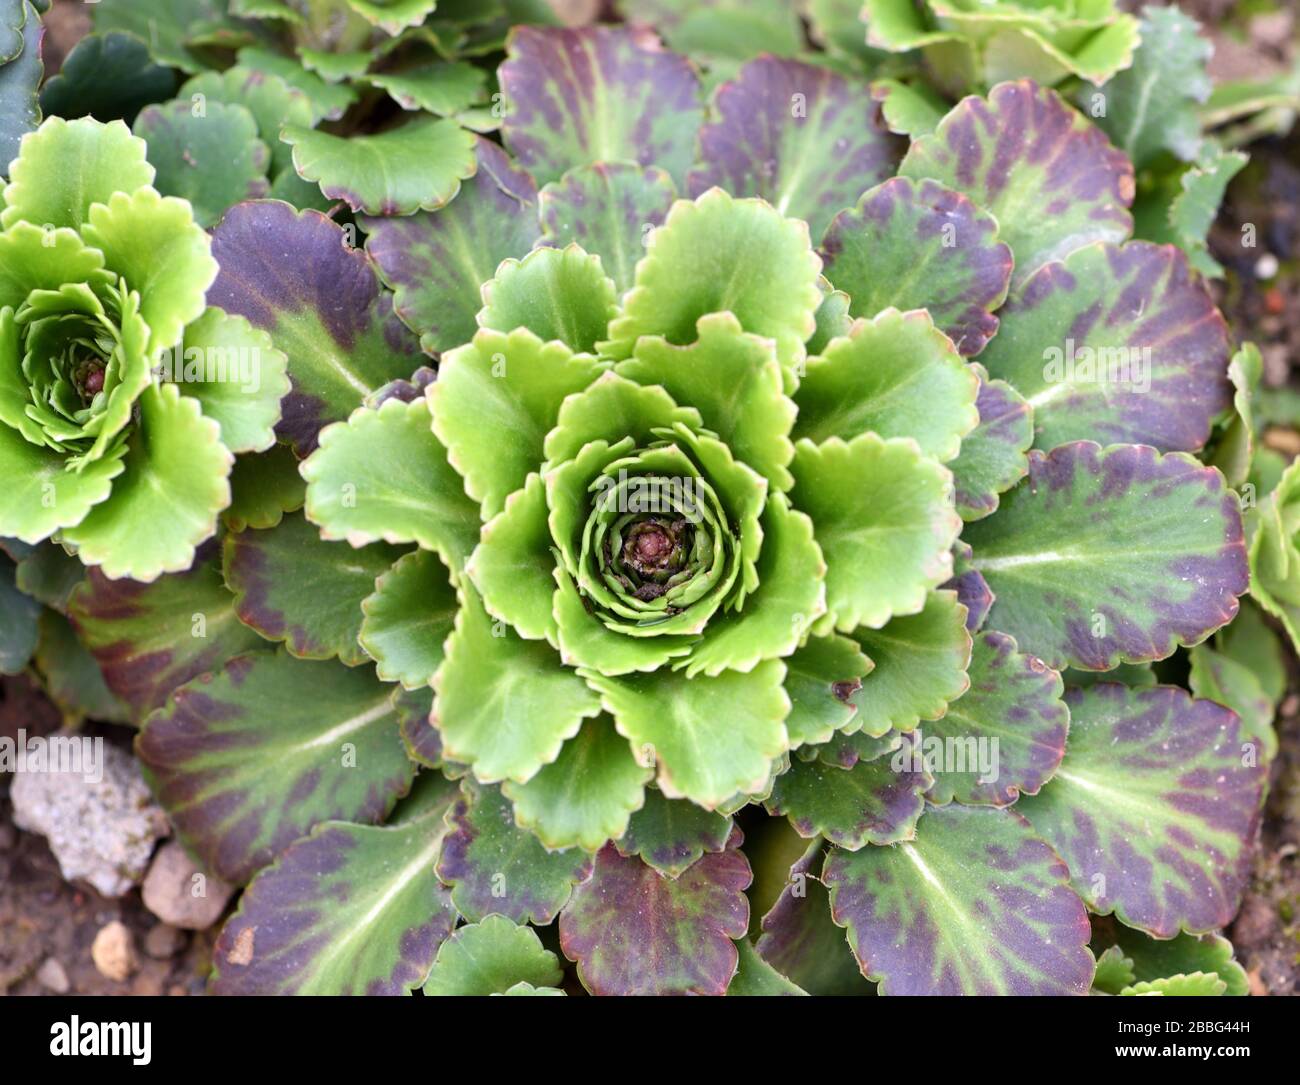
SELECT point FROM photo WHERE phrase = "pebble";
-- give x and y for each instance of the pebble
(180, 894)
(163, 941)
(113, 952)
(53, 977)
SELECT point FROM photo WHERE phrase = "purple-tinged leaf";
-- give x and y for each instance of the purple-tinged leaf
(992, 457)
(918, 245)
(493, 865)
(1006, 733)
(845, 751)
(348, 910)
(1050, 177)
(976, 905)
(807, 139)
(597, 94)
(293, 274)
(671, 834)
(437, 261)
(821, 678)
(870, 803)
(247, 760)
(1117, 343)
(1109, 555)
(608, 208)
(292, 586)
(148, 639)
(974, 593)
(754, 976)
(419, 736)
(1155, 807)
(634, 931)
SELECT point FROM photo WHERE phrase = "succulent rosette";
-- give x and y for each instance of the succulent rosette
(764, 451)
(110, 449)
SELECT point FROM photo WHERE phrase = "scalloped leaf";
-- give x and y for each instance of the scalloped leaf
(328, 100)
(992, 457)
(167, 29)
(1112, 555)
(608, 208)
(42, 495)
(719, 254)
(884, 520)
(271, 100)
(240, 792)
(293, 275)
(442, 88)
(1006, 733)
(263, 488)
(712, 736)
(168, 499)
(1050, 178)
(407, 617)
(383, 475)
(1198, 984)
(348, 910)
(807, 139)
(292, 586)
(148, 639)
(558, 294)
(214, 159)
(671, 834)
(438, 262)
(895, 375)
(919, 914)
(417, 167)
(1121, 343)
(870, 803)
(20, 76)
(822, 675)
(918, 245)
(634, 931)
(1155, 959)
(492, 958)
(493, 865)
(597, 94)
(1154, 808)
(587, 794)
(1218, 677)
(920, 667)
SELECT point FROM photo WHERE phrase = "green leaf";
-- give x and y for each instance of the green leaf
(292, 586)
(49, 573)
(597, 94)
(329, 101)
(992, 457)
(920, 667)
(910, 109)
(821, 678)
(72, 677)
(884, 519)
(406, 619)
(491, 958)
(441, 88)
(1151, 107)
(494, 402)
(919, 245)
(1112, 555)
(1154, 808)
(586, 795)
(1235, 451)
(512, 566)
(167, 29)
(393, 16)
(41, 495)
(558, 294)
(1198, 984)
(1218, 677)
(717, 254)
(1114, 972)
(1155, 959)
(919, 915)
(494, 866)
(383, 475)
(1013, 710)
(754, 976)
(20, 76)
(66, 166)
(348, 910)
(504, 705)
(418, 166)
(1248, 640)
(607, 208)
(239, 791)
(735, 381)
(174, 484)
(263, 488)
(18, 628)
(711, 736)
(671, 834)
(241, 378)
(269, 98)
(895, 375)
(214, 159)
(634, 931)
(871, 803)
(1050, 178)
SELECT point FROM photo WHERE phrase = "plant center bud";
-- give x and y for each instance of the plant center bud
(90, 378)
(655, 548)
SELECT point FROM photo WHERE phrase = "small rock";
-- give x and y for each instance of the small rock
(113, 952)
(163, 942)
(8, 838)
(179, 893)
(53, 977)
(102, 825)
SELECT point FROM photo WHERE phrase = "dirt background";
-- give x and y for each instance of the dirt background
(42, 918)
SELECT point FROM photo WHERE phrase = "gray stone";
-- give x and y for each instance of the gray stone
(100, 831)
(53, 977)
(113, 952)
(181, 894)
(163, 941)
